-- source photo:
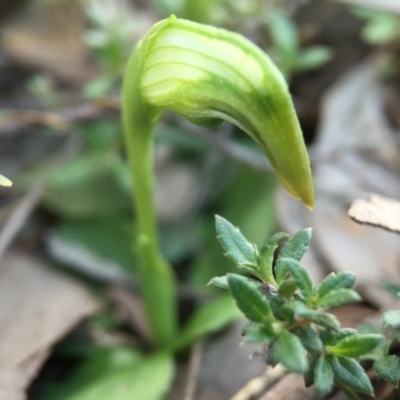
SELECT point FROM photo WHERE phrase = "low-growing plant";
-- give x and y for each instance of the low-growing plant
(290, 314)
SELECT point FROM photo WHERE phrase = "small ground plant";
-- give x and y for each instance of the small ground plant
(286, 311)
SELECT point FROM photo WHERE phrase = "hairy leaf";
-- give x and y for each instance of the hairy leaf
(391, 319)
(335, 281)
(249, 298)
(388, 368)
(356, 345)
(349, 372)
(289, 351)
(309, 338)
(323, 375)
(295, 248)
(300, 275)
(338, 297)
(234, 243)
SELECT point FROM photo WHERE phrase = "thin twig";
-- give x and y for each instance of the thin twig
(260, 384)
(194, 368)
(63, 119)
(17, 120)
(291, 387)
(20, 215)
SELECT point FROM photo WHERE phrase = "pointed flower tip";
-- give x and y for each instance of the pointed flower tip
(308, 200)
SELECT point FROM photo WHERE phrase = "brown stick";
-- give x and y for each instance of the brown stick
(194, 368)
(259, 385)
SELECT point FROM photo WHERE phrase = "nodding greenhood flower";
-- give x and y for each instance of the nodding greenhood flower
(208, 75)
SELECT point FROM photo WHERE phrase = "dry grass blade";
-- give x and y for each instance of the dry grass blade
(378, 211)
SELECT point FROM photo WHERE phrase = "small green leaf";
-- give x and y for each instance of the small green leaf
(300, 275)
(249, 298)
(381, 29)
(289, 351)
(234, 243)
(308, 376)
(219, 281)
(356, 345)
(341, 280)
(294, 248)
(265, 264)
(324, 319)
(266, 257)
(338, 297)
(391, 319)
(342, 334)
(208, 319)
(283, 32)
(388, 368)
(313, 57)
(258, 334)
(350, 373)
(323, 375)
(142, 378)
(328, 336)
(287, 288)
(281, 308)
(394, 290)
(309, 338)
(276, 238)
(303, 311)
(369, 327)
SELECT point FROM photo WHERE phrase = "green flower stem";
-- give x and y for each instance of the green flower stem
(157, 278)
(207, 75)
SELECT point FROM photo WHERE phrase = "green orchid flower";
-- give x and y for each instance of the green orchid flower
(207, 75)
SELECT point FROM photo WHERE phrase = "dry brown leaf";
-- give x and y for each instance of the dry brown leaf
(49, 37)
(377, 211)
(38, 306)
